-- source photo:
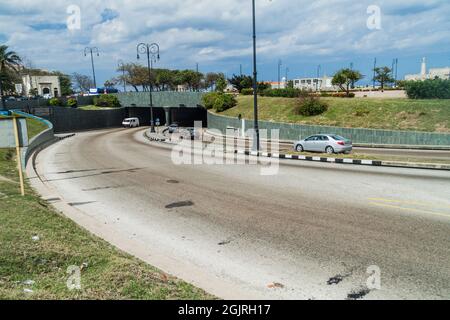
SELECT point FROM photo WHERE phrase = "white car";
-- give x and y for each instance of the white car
(131, 123)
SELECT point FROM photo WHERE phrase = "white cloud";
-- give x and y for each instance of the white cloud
(216, 31)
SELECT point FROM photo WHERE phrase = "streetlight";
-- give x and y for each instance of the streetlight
(319, 67)
(256, 144)
(279, 73)
(92, 50)
(152, 52)
(121, 66)
(374, 71)
(286, 78)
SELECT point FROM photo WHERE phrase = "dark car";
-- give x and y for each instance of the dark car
(173, 128)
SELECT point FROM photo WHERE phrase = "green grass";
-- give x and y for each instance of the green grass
(110, 273)
(92, 107)
(35, 127)
(390, 114)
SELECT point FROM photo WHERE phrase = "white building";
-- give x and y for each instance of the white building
(45, 85)
(440, 73)
(315, 84)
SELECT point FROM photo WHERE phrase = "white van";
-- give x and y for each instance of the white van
(130, 123)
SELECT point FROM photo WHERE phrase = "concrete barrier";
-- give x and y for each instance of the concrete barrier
(291, 131)
(45, 137)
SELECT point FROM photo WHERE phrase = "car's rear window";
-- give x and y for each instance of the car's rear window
(338, 138)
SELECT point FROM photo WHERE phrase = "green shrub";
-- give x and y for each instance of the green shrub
(208, 99)
(107, 101)
(337, 94)
(310, 106)
(55, 102)
(72, 103)
(428, 89)
(247, 92)
(219, 101)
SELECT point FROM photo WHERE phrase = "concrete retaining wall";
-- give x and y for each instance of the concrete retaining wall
(71, 120)
(43, 138)
(160, 99)
(357, 135)
(26, 105)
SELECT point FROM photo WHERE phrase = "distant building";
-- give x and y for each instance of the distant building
(313, 84)
(277, 85)
(43, 85)
(440, 73)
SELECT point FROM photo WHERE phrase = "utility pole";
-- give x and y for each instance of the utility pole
(256, 143)
(279, 73)
(318, 76)
(240, 70)
(374, 73)
(92, 51)
(286, 78)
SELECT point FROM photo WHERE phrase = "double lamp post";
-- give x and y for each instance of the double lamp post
(152, 52)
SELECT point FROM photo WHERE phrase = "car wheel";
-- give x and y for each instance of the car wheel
(299, 148)
(329, 150)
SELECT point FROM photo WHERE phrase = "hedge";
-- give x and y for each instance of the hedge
(428, 89)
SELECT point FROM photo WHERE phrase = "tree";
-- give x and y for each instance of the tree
(9, 63)
(241, 82)
(82, 82)
(345, 78)
(65, 82)
(383, 75)
(221, 83)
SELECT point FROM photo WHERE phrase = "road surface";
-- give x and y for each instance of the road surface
(309, 232)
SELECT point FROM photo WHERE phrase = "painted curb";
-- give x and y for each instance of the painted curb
(310, 158)
(374, 163)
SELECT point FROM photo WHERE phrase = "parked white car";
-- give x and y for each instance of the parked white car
(131, 123)
(329, 143)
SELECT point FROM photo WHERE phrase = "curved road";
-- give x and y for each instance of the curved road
(309, 232)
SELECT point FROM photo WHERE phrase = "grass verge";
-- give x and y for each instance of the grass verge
(36, 269)
(389, 114)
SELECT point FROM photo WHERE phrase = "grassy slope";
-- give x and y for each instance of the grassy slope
(392, 114)
(110, 274)
(35, 127)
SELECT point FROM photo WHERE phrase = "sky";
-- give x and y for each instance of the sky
(217, 34)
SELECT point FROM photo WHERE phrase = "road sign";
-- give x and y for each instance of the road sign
(7, 134)
(18, 87)
(13, 134)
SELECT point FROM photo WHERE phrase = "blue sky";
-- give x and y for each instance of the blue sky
(217, 34)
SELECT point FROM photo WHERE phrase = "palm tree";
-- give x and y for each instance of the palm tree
(9, 61)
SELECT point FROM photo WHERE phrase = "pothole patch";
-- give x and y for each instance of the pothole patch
(180, 204)
(358, 294)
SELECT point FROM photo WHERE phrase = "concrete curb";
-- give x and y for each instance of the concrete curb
(375, 163)
(156, 137)
(310, 158)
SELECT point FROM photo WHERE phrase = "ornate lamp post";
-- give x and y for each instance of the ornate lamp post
(92, 51)
(152, 52)
(256, 142)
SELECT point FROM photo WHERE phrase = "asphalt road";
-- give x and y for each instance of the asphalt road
(310, 231)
